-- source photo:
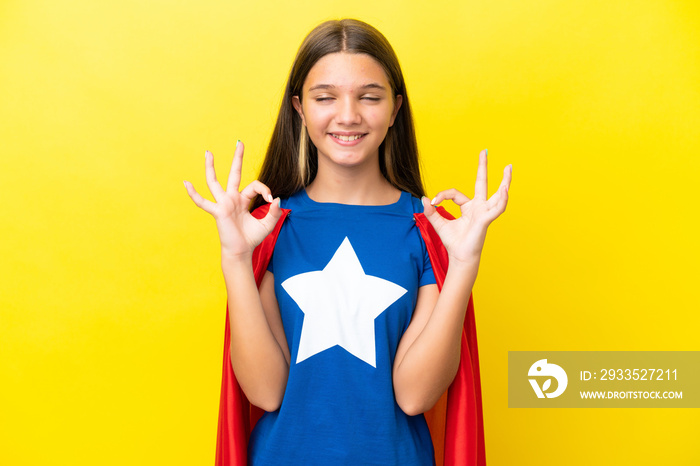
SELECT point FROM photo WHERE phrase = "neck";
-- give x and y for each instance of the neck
(357, 185)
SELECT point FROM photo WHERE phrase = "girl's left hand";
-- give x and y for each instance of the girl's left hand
(464, 237)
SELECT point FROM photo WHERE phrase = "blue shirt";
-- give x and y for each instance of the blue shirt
(346, 280)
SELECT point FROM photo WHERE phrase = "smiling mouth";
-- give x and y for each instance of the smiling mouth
(348, 138)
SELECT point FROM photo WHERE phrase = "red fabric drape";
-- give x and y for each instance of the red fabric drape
(456, 421)
(463, 419)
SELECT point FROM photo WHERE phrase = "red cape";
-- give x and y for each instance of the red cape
(456, 421)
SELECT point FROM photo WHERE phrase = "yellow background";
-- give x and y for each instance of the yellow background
(112, 300)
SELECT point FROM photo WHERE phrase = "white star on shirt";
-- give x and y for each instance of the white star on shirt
(340, 304)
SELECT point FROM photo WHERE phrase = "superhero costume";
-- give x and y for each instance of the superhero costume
(456, 422)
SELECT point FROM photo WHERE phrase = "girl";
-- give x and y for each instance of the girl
(341, 335)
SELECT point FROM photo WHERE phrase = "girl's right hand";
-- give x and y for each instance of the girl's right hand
(239, 231)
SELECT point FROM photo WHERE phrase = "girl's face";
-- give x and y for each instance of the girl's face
(347, 108)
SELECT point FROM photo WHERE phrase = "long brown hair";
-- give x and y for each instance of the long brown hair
(291, 161)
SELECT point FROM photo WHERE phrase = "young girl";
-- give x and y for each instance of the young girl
(336, 326)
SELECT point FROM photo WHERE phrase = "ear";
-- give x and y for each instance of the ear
(397, 105)
(297, 106)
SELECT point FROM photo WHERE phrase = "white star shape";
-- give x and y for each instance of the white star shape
(340, 304)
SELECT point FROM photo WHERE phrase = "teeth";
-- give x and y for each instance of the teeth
(347, 138)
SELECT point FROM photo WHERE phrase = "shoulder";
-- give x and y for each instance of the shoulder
(296, 200)
(416, 204)
(407, 204)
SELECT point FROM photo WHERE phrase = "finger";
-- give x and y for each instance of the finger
(257, 187)
(234, 177)
(503, 201)
(481, 187)
(273, 215)
(500, 204)
(456, 196)
(503, 187)
(198, 200)
(507, 176)
(214, 187)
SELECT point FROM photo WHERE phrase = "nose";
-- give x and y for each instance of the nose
(348, 112)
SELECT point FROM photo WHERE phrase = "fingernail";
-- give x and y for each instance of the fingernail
(487, 151)
(185, 183)
(433, 201)
(269, 198)
(238, 142)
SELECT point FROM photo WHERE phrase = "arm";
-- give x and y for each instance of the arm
(259, 353)
(257, 357)
(428, 354)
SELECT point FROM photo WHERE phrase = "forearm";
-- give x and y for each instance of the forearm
(257, 358)
(429, 365)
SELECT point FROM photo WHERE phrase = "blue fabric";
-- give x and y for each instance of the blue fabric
(339, 405)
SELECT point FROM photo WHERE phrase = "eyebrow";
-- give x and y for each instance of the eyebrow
(331, 86)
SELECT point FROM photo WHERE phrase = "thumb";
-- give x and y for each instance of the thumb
(432, 214)
(273, 215)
